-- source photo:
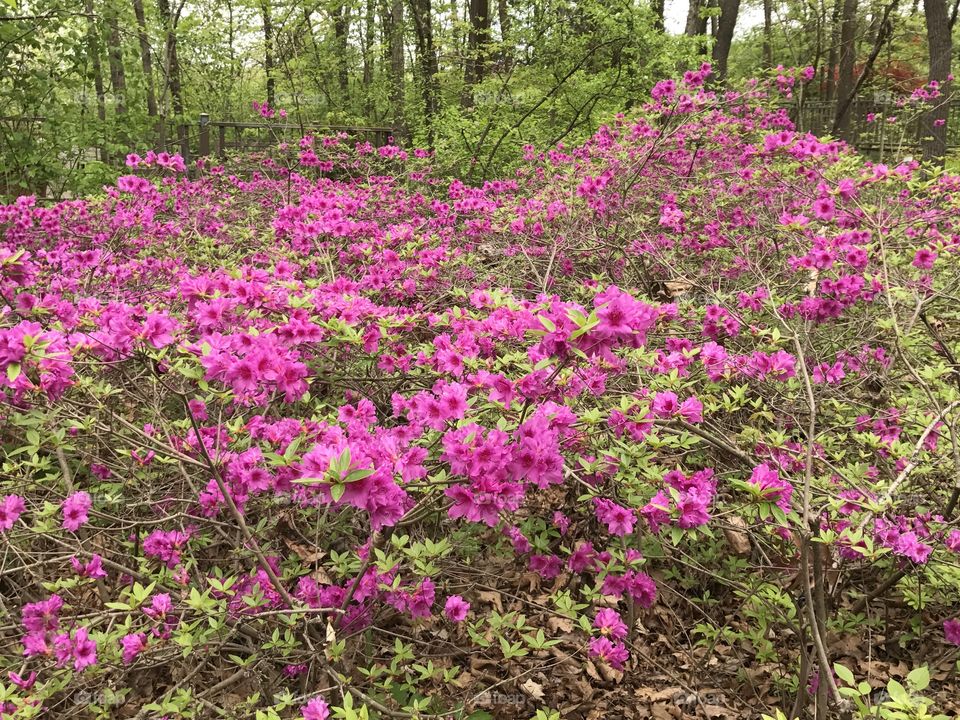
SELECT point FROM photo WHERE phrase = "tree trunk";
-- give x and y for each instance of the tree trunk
(392, 22)
(503, 14)
(423, 28)
(368, 30)
(478, 40)
(118, 78)
(767, 34)
(146, 60)
(172, 65)
(268, 59)
(941, 47)
(696, 25)
(93, 52)
(657, 6)
(845, 79)
(834, 54)
(729, 9)
(341, 29)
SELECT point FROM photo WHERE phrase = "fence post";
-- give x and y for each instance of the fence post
(204, 148)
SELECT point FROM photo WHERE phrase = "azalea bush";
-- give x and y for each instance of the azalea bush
(339, 437)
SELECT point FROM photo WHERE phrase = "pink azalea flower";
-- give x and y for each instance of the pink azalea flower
(10, 510)
(613, 653)
(609, 623)
(316, 709)
(456, 608)
(951, 631)
(75, 510)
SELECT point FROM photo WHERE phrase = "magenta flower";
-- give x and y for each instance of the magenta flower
(10, 510)
(618, 519)
(24, 683)
(692, 506)
(81, 648)
(665, 405)
(316, 709)
(824, 208)
(771, 487)
(909, 546)
(691, 410)
(613, 653)
(132, 644)
(924, 258)
(951, 631)
(93, 568)
(609, 623)
(160, 607)
(456, 608)
(75, 509)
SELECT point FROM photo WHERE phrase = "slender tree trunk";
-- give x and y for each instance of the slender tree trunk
(423, 28)
(695, 24)
(729, 9)
(268, 59)
(834, 53)
(478, 40)
(96, 64)
(941, 48)
(392, 12)
(172, 65)
(368, 30)
(657, 6)
(767, 34)
(146, 61)
(845, 79)
(503, 14)
(341, 29)
(118, 78)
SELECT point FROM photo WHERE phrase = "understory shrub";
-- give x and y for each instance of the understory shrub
(342, 438)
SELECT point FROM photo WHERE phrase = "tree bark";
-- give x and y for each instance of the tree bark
(429, 66)
(172, 65)
(268, 59)
(696, 25)
(657, 6)
(834, 54)
(729, 9)
(368, 30)
(845, 79)
(118, 78)
(392, 22)
(341, 29)
(503, 14)
(478, 40)
(93, 51)
(940, 46)
(767, 34)
(146, 61)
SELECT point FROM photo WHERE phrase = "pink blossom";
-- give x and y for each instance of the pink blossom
(456, 608)
(613, 653)
(951, 631)
(315, 709)
(10, 510)
(75, 510)
(609, 623)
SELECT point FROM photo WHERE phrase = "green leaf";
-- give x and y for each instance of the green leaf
(898, 693)
(919, 678)
(844, 673)
(13, 371)
(359, 474)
